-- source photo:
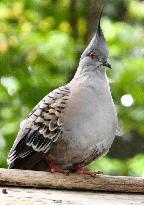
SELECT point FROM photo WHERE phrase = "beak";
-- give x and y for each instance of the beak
(107, 64)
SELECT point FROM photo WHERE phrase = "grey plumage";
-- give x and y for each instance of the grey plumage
(73, 124)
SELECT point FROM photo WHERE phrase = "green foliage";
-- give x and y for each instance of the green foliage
(40, 44)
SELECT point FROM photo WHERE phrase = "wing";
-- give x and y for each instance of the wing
(40, 131)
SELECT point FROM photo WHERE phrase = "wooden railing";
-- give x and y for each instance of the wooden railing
(19, 187)
(39, 179)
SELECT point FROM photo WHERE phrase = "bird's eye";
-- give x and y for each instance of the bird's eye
(93, 55)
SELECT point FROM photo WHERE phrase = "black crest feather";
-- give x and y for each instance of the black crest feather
(99, 30)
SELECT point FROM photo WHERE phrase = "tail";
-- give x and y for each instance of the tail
(26, 163)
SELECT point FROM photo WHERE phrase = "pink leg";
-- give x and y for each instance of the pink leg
(82, 170)
(54, 168)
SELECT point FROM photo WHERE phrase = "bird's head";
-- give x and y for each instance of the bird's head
(96, 53)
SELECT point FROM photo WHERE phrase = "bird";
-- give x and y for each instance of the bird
(74, 124)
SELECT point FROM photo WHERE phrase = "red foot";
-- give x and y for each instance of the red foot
(82, 170)
(54, 168)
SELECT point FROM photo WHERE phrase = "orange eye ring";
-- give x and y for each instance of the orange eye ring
(93, 55)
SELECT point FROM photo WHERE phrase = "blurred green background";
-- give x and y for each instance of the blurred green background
(40, 46)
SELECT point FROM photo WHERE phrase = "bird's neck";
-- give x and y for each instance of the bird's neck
(90, 73)
(95, 79)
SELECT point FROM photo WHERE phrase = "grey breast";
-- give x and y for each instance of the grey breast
(89, 126)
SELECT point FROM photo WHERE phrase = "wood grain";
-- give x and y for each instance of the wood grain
(39, 179)
(27, 196)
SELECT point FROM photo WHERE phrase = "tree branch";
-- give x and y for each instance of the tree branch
(26, 178)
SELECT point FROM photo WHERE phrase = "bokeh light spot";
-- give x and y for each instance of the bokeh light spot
(127, 100)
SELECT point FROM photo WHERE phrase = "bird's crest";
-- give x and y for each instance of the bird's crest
(98, 42)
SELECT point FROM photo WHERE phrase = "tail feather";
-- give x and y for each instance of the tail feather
(27, 162)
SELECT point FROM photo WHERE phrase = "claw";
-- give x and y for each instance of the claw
(66, 172)
(82, 170)
(54, 168)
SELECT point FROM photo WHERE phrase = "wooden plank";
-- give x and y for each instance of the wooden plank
(27, 196)
(39, 179)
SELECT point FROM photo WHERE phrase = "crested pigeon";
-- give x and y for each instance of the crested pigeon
(74, 124)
